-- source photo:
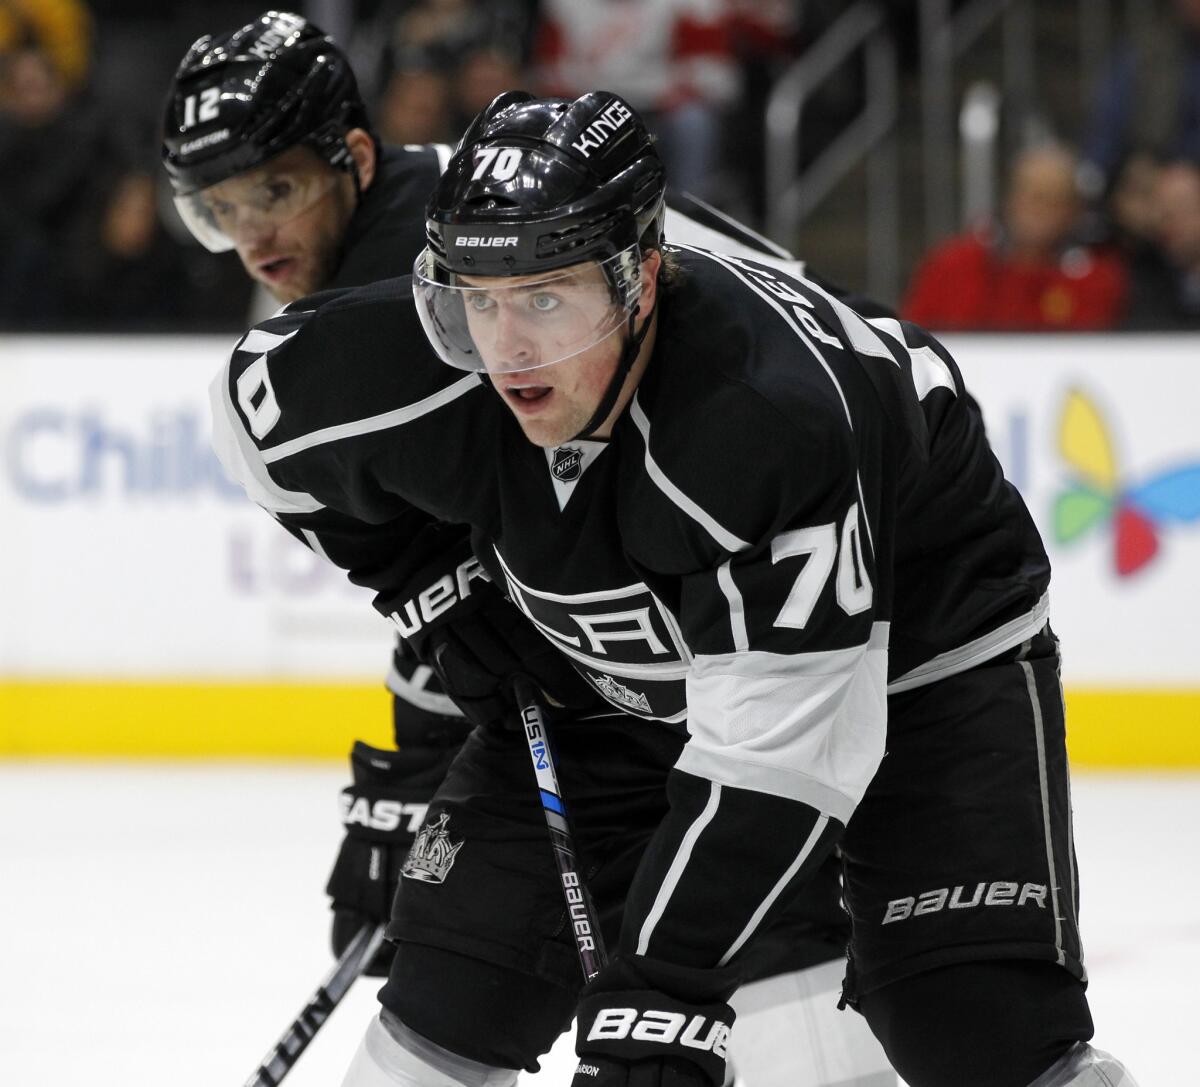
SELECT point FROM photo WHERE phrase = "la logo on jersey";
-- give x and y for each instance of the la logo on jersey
(628, 643)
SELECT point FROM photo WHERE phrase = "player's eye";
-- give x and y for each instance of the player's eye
(221, 209)
(544, 303)
(279, 190)
(478, 303)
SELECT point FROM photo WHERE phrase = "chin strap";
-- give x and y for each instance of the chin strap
(629, 354)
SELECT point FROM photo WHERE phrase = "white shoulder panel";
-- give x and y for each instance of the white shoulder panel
(680, 229)
(810, 727)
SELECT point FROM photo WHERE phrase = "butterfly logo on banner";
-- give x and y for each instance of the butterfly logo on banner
(1138, 510)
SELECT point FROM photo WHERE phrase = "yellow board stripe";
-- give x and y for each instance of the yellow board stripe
(1134, 729)
(1106, 728)
(202, 719)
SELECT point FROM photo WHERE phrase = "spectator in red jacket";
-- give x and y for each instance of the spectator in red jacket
(1025, 272)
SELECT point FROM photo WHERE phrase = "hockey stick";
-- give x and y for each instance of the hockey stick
(584, 921)
(278, 1062)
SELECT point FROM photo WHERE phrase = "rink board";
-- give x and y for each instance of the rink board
(149, 608)
(1107, 728)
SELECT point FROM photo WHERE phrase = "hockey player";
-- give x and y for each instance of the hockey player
(735, 504)
(270, 152)
(269, 148)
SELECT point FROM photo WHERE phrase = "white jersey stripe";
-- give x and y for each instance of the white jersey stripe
(863, 338)
(737, 610)
(710, 525)
(1039, 733)
(315, 543)
(386, 421)
(678, 865)
(929, 370)
(636, 589)
(242, 461)
(756, 918)
(862, 504)
(259, 341)
(413, 691)
(1006, 636)
(681, 229)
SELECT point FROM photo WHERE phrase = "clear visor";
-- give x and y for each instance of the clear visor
(250, 206)
(504, 324)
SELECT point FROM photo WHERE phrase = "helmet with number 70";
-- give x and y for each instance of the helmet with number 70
(560, 196)
(240, 101)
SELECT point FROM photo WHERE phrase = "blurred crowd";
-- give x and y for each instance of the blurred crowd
(1102, 235)
(1101, 231)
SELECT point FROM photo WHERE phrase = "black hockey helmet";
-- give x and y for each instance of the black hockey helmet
(570, 180)
(243, 97)
(541, 188)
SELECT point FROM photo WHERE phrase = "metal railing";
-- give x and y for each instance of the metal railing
(978, 136)
(1102, 24)
(945, 37)
(792, 194)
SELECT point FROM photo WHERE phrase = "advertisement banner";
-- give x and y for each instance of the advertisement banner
(128, 554)
(1100, 434)
(140, 584)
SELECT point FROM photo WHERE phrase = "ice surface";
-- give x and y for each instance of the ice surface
(162, 922)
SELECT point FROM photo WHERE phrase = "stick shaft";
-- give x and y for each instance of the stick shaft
(581, 912)
(278, 1062)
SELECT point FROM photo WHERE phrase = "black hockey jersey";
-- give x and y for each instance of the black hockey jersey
(383, 238)
(797, 508)
(387, 230)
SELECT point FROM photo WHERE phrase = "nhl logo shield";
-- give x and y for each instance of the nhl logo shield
(567, 463)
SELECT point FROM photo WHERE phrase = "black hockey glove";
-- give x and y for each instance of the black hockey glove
(382, 812)
(639, 1037)
(477, 643)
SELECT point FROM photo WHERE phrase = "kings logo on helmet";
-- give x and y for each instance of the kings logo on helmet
(284, 26)
(598, 132)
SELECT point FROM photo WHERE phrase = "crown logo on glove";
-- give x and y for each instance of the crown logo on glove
(432, 854)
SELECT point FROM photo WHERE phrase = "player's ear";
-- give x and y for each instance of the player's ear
(651, 263)
(362, 150)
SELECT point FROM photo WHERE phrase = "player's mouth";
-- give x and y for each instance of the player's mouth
(276, 269)
(528, 399)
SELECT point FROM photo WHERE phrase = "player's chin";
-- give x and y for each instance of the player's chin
(549, 429)
(286, 289)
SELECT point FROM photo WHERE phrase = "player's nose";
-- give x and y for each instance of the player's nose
(251, 231)
(513, 347)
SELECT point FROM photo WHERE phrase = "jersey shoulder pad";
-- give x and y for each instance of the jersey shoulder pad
(331, 367)
(729, 446)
